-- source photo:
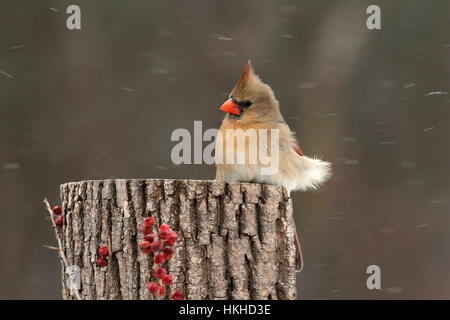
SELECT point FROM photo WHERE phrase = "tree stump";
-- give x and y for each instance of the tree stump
(235, 241)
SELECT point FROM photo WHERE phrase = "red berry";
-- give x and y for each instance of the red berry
(146, 247)
(168, 251)
(149, 237)
(57, 210)
(168, 256)
(59, 221)
(146, 230)
(172, 237)
(163, 234)
(177, 295)
(166, 243)
(155, 246)
(102, 262)
(162, 291)
(153, 287)
(159, 273)
(159, 258)
(167, 279)
(103, 251)
(148, 222)
(164, 227)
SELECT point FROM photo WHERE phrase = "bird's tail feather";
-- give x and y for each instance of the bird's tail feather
(314, 172)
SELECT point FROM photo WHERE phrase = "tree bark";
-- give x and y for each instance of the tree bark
(235, 241)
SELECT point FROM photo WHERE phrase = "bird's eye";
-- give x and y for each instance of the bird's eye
(248, 103)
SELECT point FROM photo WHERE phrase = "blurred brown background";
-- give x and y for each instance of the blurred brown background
(102, 102)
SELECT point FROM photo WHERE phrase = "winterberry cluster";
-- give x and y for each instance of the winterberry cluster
(103, 251)
(59, 219)
(162, 248)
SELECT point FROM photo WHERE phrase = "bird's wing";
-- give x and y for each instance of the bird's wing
(298, 150)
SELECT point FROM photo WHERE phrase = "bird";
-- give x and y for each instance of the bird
(252, 107)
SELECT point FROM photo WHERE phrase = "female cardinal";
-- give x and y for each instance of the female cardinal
(253, 114)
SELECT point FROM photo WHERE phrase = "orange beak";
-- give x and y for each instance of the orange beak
(230, 107)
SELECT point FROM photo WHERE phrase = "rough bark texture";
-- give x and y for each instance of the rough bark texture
(235, 241)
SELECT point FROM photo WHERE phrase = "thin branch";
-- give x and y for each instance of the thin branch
(62, 256)
(50, 247)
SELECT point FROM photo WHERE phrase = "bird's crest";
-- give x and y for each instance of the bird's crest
(247, 80)
(247, 73)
